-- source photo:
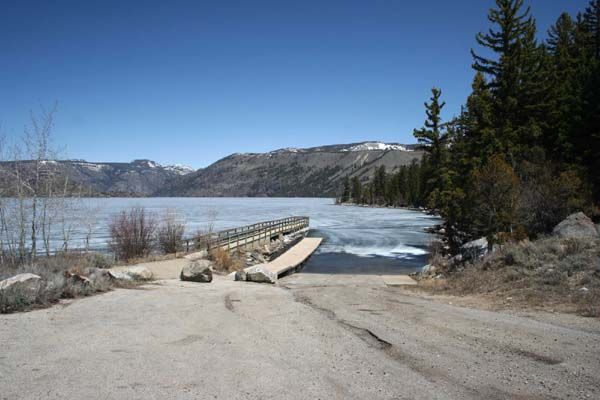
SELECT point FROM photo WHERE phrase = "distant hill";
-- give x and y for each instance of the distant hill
(288, 172)
(139, 178)
(310, 172)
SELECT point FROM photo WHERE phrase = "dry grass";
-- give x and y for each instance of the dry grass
(227, 262)
(547, 273)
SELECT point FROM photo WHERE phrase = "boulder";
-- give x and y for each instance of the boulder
(474, 249)
(197, 271)
(259, 274)
(27, 285)
(199, 255)
(428, 270)
(576, 226)
(134, 273)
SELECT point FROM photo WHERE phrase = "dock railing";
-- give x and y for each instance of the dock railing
(242, 237)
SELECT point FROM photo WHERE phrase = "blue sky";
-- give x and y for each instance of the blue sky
(191, 81)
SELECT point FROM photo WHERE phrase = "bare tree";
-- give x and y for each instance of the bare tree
(33, 191)
(88, 219)
(37, 145)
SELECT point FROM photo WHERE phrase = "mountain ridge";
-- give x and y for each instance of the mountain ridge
(290, 172)
(303, 172)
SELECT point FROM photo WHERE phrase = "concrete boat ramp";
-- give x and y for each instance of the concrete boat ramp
(286, 263)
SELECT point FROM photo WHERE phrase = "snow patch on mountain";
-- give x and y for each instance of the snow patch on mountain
(372, 146)
(179, 169)
(91, 166)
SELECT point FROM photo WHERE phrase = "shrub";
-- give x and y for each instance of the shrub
(436, 252)
(132, 233)
(225, 261)
(170, 233)
(96, 260)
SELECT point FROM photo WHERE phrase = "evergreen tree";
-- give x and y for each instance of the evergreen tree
(402, 186)
(433, 139)
(480, 139)
(516, 76)
(591, 21)
(589, 132)
(357, 192)
(379, 183)
(346, 190)
(560, 141)
(415, 182)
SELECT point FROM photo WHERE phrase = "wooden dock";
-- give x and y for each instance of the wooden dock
(246, 236)
(285, 263)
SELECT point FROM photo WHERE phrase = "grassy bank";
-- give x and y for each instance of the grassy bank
(63, 276)
(549, 273)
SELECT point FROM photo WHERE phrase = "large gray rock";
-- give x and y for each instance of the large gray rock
(197, 271)
(576, 226)
(133, 273)
(474, 249)
(26, 285)
(428, 270)
(259, 274)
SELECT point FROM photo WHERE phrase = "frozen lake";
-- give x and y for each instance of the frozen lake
(385, 240)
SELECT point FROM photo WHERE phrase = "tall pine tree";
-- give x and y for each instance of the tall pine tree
(433, 139)
(516, 77)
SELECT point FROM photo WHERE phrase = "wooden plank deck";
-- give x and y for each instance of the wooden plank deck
(245, 236)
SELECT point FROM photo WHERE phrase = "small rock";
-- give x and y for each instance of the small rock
(134, 273)
(28, 285)
(584, 290)
(240, 275)
(197, 271)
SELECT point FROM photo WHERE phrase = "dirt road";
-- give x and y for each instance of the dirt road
(309, 337)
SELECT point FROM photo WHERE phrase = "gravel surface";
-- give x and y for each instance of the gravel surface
(309, 337)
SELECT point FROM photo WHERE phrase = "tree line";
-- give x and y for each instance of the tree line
(403, 188)
(524, 151)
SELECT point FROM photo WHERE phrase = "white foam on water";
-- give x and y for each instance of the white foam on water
(401, 251)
